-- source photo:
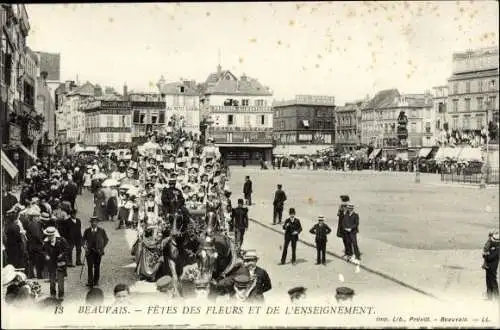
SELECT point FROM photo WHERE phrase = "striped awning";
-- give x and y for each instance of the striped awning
(28, 152)
(424, 152)
(8, 166)
(374, 153)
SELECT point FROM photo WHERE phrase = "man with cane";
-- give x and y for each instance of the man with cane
(95, 240)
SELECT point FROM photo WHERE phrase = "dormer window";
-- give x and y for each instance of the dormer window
(181, 89)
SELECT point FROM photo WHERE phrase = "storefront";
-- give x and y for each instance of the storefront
(245, 154)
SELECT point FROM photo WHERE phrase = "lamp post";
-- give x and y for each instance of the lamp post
(484, 169)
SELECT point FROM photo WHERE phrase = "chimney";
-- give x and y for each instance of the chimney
(219, 69)
(125, 90)
(67, 85)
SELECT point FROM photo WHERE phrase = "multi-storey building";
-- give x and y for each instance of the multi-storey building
(379, 119)
(440, 104)
(50, 63)
(240, 115)
(304, 125)
(473, 90)
(45, 105)
(347, 124)
(106, 122)
(182, 99)
(148, 113)
(18, 120)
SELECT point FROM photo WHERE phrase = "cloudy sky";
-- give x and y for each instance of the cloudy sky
(347, 50)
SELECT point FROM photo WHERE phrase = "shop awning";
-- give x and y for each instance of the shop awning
(374, 153)
(402, 156)
(424, 152)
(8, 166)
(469, 154)
(28, 152)
(447, 153)
(305, 123)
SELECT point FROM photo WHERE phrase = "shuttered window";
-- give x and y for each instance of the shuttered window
(136, 116)
(162, 117)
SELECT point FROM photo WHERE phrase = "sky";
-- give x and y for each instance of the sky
(345, 49)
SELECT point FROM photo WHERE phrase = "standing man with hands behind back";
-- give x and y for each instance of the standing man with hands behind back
(278, 204)
(320, 230)
(292, 229)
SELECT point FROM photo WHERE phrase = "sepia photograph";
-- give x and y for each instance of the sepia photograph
(330, 164)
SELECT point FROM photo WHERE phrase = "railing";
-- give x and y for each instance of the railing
(221, 108)
(240, 129)
(472, 176)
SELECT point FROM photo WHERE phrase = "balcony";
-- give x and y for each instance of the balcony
(235, 109)
(240, 135)
(181, 108)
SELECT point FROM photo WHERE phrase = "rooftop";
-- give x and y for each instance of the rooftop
(50, 63)
(224, 82)
(178, 88)
(307, 100)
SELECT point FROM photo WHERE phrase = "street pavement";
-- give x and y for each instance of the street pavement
(424, 236)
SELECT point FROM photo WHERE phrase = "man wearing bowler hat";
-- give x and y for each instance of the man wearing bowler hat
(292, 229)
(350, 224)
(321, 231)
(340, 230)
(56, 255)
(94, 242)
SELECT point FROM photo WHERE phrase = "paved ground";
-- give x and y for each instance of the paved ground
(427, 235)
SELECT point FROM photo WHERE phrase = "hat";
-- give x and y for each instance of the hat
(8, 274)
(344, 198)
(44, 216)
(349, 205)
(121, 164)
(250, 255)
(163, 283)
(321, 218)
(241, 281)
(210, 139)
(292, 210)
(297, 291)
(201, 283)
(50, 231)
(240, 201)
(494, 236)
(149, 184)
(94, 218)
(344, 291)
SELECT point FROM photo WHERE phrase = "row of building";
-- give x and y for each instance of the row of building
(27, 116)
(240, 113)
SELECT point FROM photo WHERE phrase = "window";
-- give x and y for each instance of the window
(109, 121)
(136, 117)
(479, 121)
(181, 89)
(142, 118)
(466, 122)
(492, 84)
(467, 104)
(428, 127)
(438, 124)
(245, 102)
(154, 119)
(467, 86)
(413, 127)
(282, 124)
(479, 85)
(492, 102)
(103, 138)
(127, 121)
(262, 119)
(455, 105)
(229, 137)
(455, 88)
(454, 123)
(161, 119)
(479, 103)
(230, 120)
(246, 119)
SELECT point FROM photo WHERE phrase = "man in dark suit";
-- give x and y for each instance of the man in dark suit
(56, 255)
(350, 224)
(321, 230)
(278, 204)
(247, 190)
(239, 222)
(292, 229)
(340, 230)
(74, 226)
(94, 242)
(69, 192)
(257, 274)
(8, 200)
(35, 237)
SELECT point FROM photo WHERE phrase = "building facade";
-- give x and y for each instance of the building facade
(106, 122)
(440, 104)
(20, 125)
(182, 100)
(380, 116)
(45, 105)
(473, 91)
(240, 116)
(347, 125)
(148, 114)
(304, 125)
(50, 63)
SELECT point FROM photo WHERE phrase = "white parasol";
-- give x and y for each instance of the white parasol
(110, 183)
(127, 186)
(100, 175)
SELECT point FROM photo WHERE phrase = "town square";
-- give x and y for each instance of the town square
(181, 181)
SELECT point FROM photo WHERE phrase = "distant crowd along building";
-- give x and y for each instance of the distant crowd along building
(379, 120)
(240, 116)
(473, 91)
(304, 125)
